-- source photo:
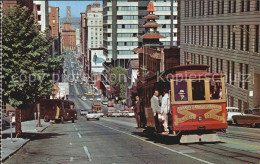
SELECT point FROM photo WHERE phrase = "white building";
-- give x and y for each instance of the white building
(94, 26)
(43, 14)
(122, 26)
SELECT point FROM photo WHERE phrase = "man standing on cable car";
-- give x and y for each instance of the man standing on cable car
(155, 103)
(165, 109)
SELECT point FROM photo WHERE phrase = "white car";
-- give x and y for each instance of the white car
(83, 112)
(116, 114)
(131, 114)
(101, 114)
(232, 111)
(99, 99)
(83, 98)
(91, 99)
(92, 115)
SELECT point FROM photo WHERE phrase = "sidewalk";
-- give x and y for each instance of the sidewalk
(9, 147)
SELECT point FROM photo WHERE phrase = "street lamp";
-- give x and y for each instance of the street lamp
(235, 28)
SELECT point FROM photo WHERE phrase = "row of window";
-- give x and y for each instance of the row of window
(127, 43)
(216, 65)
(127, 52)
(128, 8)
(127, 26)
(215, 35)
(211, 7)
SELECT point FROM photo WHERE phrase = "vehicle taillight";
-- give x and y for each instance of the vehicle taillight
(200, 118)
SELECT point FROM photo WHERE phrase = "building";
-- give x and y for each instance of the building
(83, 39)
(54, 21)
(43, 14)
(122, 20)
(68, 37)
(225, 35)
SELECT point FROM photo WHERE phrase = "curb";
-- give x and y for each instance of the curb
(7, 157)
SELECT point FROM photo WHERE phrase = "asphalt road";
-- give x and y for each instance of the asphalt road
(116, 140)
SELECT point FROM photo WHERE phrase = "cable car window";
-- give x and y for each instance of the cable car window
(180, 90)
(198, 90)
(216, 89)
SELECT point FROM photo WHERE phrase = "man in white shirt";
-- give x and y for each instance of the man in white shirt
(165, 107)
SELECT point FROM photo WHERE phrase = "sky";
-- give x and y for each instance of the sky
(76, 6)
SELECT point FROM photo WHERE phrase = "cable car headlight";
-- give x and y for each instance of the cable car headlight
(200, 118)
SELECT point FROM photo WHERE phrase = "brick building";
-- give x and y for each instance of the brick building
(68, 37)
(225, 35)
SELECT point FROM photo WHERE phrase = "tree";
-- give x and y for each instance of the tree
(118, 78)
(27, 65)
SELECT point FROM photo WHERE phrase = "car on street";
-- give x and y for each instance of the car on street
(131, 114)
(232, 111)
(88, 93)
(83, 112)
(98, 99)
(110, 104)
(91, 99)
(249, 117)
(116, 114)
(92, 115)
(104, 102)
(84, 98)
(101, 114)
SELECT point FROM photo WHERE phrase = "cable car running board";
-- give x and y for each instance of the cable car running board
(199, 138)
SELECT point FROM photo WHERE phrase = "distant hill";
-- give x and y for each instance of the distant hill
(75, 22)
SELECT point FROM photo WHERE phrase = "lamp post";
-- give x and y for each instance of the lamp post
(235, 28)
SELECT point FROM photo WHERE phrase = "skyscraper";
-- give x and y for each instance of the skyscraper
(122, 26)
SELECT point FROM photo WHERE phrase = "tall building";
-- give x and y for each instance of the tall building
(225, 35)
(68, 37)
(43, 14)
(122, 20)
(54, 21)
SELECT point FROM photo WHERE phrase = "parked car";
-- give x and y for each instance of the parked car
(232, 111)
(249, 117)
(84, 98)
(91, 99)
(98, 100)
(83, 112)
(116, 114)
(131, 114)
(110, 104)
(92, 115)
(104, 102)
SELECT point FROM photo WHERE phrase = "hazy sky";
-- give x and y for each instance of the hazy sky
(76, 7)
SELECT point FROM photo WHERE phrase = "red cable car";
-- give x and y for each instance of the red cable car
(198, 103)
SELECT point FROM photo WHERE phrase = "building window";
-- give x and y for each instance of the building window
(208, 36)
(218, 7)
(247, 38)
(229, 6)
(248, 5)
(217, 36)
(199, 35)
(257, 38)
(246, 76)
(208, 7)
(195, 35)
(234, 40)
(38, 7)
(241, 75)
(212, 7)
(228, 72)
(202, 59)
(242, 38)
(223, 6)
(203, 7)
(228, 35)
(192, 9)
(185, 34)
(195, 8)
(221, 65)
(217, 65)
(191, 34)
(233, 73)
(257, 5)
(242, 5)
(211, 64)
(222, 36)
(212, 38)
(234, 6)
(202, 35)
(39, 17)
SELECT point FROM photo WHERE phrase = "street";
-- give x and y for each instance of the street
(116, 140)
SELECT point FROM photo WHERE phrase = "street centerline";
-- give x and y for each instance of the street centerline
(87, 152)
(79, 135)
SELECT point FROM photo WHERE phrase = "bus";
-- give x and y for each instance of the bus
(197, 103)
(57, 110)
